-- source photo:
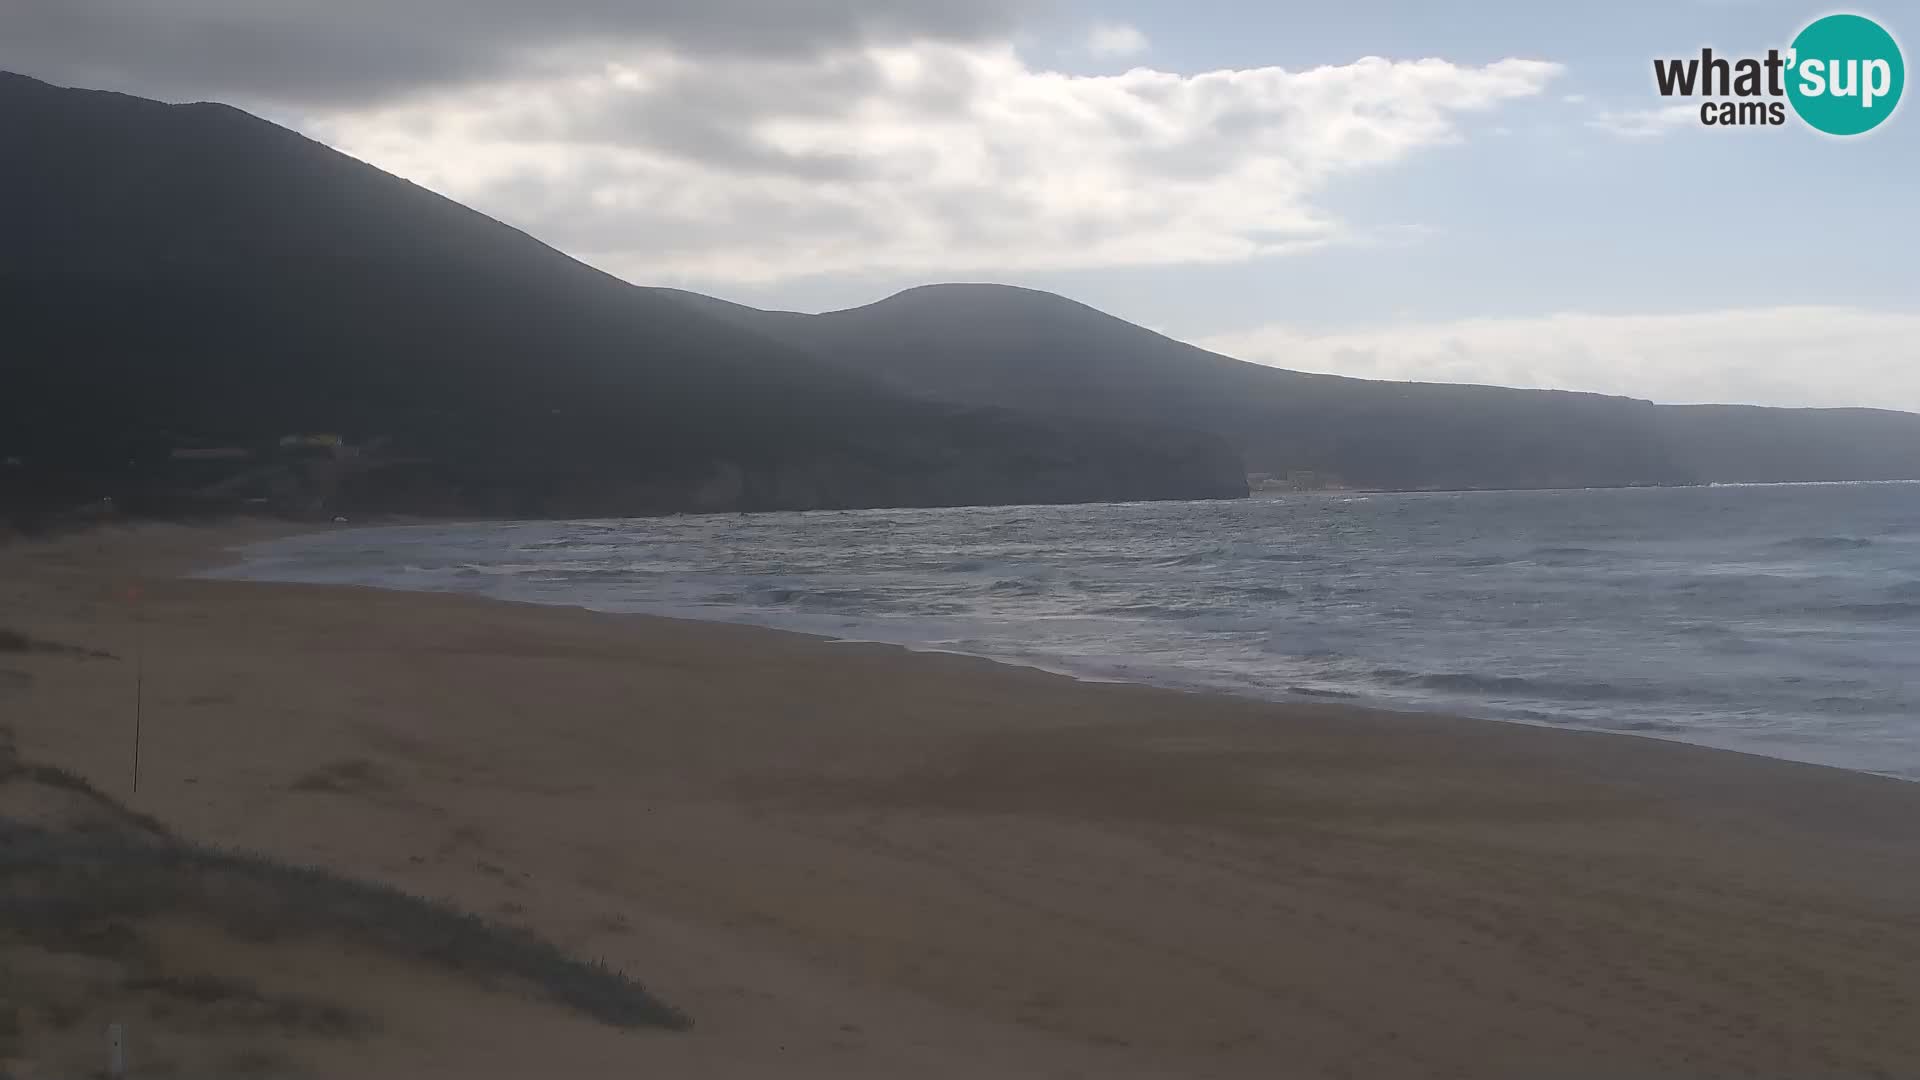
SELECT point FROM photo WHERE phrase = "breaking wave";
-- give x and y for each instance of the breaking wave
(1706, 615)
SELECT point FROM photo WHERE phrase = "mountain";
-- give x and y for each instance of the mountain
(1744, 444)
(997, 345)
(184, 289)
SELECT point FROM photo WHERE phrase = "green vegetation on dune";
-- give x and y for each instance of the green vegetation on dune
(16, 642)
(87, 887)
(68, 891)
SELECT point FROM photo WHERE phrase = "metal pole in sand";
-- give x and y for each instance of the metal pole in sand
(116, 1051)
(139, 676)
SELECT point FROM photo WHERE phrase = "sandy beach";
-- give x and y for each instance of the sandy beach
(852, 861)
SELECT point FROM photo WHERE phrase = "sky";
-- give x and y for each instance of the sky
(1400, 189)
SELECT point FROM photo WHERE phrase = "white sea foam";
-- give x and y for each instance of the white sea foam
(1714, 616)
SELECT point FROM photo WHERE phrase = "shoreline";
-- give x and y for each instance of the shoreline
(236, 558)
(855, 861)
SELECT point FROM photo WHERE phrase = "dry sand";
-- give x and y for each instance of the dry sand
(849, 861)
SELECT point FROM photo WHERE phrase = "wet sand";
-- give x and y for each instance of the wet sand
(853, 861)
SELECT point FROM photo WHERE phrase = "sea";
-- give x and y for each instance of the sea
(1781, 620)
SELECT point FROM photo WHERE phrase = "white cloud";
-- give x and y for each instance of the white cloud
(1116, 40)
(923, 157)
(294, 52)
(1795, 356)
(1645, 123)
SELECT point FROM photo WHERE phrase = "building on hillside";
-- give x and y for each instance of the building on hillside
(317, 442)
(313, 446)
(1313, 480)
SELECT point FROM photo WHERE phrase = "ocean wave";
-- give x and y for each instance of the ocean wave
(1191, 558)
(1566, 556)
(626, 572)
(1175, 611)
(1590, 722)
(1320, 692)
(1474, 561)
(832, 600)
(571, 547)
(1649, 725)
(1823, 543)
(1467, 682)
(1636, 617)
(1842, 705)
(1715, 637)
(1889, 611)
(1727, 584)
(430, 573)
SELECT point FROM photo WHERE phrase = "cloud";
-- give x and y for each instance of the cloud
(296, 52)
(1116, 40)
(1792, 356)
(1645, 123)
(923, 156)
(752, 140)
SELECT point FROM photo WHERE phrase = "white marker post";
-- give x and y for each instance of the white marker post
(116, 1051)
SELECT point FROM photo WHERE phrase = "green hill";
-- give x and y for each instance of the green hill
(997, 345)
(187, 278)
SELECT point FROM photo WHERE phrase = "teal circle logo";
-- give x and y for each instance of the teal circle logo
(1845, 74)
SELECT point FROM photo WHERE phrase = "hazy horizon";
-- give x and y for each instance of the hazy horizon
(1225, 346)
(1490, 194)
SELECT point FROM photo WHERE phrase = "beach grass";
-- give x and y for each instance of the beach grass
(86, 890)
(14, 641)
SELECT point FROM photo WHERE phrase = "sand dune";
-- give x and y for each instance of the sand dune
(848, 861)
